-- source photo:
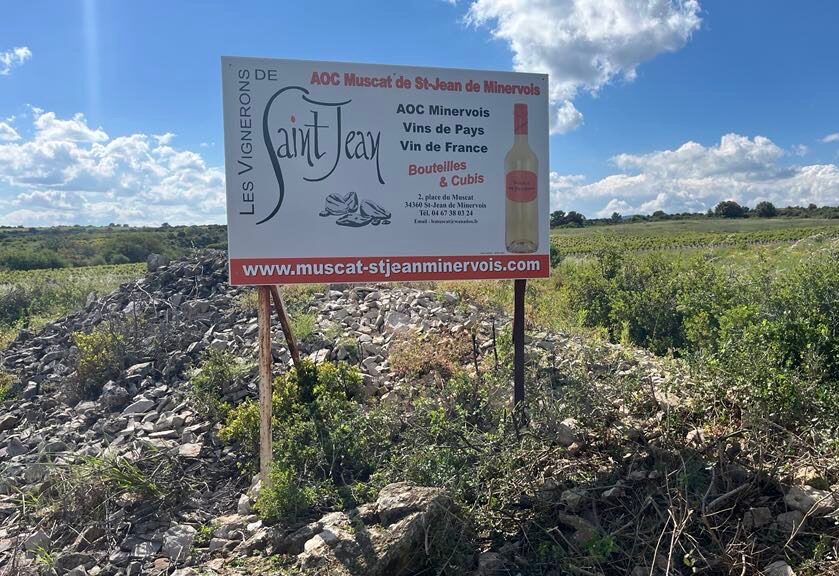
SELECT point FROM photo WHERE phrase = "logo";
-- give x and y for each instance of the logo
(318, 136)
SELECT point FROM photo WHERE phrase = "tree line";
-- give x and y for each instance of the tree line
(725, 209)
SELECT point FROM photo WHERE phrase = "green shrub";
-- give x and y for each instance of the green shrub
(705, 293)
(101, 358)
(242, 427)
(778, 344)
(644, 305)
(452, 428)
(248, 301)
(556, 255)
(6, 382)
(203, 536)
(303, 325)
(17, 304)
(136, 247)
(768, 336)
(31, 259)
(219, 372)
(326, 445)
(118, 259)
(634, 297)
(290, 495)
(586, 292)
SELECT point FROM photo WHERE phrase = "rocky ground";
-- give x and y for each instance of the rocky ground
(144, 436)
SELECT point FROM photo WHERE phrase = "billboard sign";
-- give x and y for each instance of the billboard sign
(340, 172)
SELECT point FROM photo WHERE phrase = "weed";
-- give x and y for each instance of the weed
(7, 382)
(31, 298)
(123, 475)
(45, 557)
(248, 301)
(82, 492)
(220, 372)
(101, 357)
(325, 444)
(303, 325)
(298, 296)
(203, 536)
(414, 358)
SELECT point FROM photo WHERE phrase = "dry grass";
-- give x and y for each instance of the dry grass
(412, 357)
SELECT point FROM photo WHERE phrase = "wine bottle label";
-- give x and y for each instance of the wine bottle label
(521, 185)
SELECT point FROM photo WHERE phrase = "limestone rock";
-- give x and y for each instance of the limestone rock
(72, 560)
(811, 500)
(177, 542)
(36, 540)
(757, 517)
(778, 568)
(391, 540)
(567, 432)
(189, 450)
(139, 407)
(790, 521)
(8, 421)
(155, 262)
(244, 506)
(573, 499)
(491, 564)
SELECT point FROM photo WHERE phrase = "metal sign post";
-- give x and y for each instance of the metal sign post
(518, 343)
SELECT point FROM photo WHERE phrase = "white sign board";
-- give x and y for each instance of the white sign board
(340, 172)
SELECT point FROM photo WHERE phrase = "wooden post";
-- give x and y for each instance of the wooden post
(265, 388)
(289, 336)
(518, 343)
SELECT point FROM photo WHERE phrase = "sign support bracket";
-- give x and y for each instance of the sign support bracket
(286, 325)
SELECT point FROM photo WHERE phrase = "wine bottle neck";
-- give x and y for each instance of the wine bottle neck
(519, 118)
(520, 140)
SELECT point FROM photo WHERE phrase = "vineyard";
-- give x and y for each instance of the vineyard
(693, 234)
(689, 366)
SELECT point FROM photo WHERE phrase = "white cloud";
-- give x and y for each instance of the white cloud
(8, 133)
(565, 117)
(800, 149)
(560, 185)
(586, 44)
(735, 154)
(50, 128)
(614, 205)
(693, 178)
(13, 58)
(69, 172)
(831, 138)
(164, 139)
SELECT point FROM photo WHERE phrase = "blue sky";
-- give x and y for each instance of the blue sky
(111, 111)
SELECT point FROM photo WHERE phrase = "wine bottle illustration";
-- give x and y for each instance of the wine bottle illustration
(520, 168)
